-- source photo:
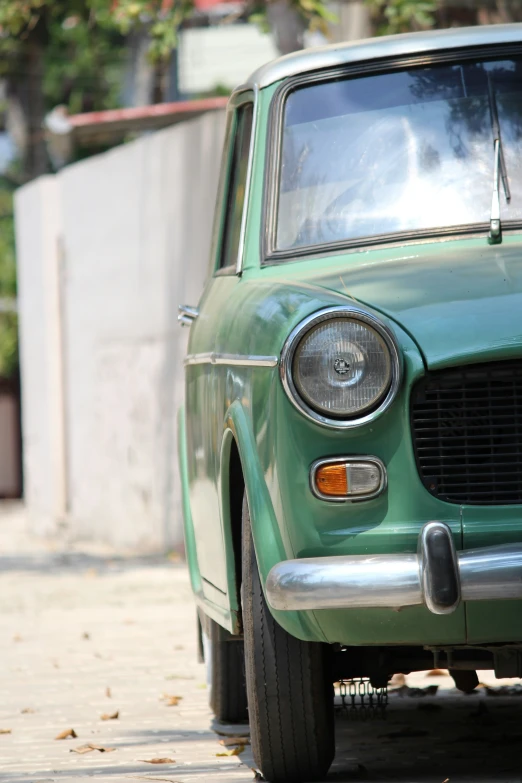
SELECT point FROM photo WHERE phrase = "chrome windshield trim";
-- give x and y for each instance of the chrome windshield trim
(379, 48)
(287, 356)
(231, 359)
(410, 58)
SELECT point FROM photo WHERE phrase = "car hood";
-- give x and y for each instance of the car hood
(460, 301)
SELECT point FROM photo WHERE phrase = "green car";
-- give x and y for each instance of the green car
(351, 441)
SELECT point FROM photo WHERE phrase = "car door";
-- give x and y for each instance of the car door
(204, 407)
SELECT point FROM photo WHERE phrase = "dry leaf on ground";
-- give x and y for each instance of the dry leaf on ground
(66, 734)
(86, 635)
(170, 701)
(90, 746)
(17, 638)
(233, 751)
(113, 716)
(228, 741)
(108, 692)
(158, 761)
(27, 711)
(5, 731)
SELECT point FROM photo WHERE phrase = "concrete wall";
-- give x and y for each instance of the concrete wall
(106, 251)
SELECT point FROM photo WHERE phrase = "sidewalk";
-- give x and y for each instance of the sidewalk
(85, 633)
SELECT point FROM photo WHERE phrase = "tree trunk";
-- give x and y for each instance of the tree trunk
(287, 25)
(27, 108)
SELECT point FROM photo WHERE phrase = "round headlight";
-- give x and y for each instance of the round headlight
(341, 366)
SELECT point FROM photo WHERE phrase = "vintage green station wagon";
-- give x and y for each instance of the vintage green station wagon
(351, 441)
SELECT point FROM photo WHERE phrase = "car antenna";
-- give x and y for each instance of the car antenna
(495, 230)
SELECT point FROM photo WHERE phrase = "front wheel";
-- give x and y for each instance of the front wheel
(290, 695)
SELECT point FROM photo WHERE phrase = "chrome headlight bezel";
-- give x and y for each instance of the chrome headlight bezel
(327, 314)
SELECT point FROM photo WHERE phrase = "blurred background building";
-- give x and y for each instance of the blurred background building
(111, 121)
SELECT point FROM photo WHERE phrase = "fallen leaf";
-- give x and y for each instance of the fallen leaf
(27, 711)
(170, 701)
(90, 746)
(233, 751)
(108, 693)
(5, 731)
(113, 716)
(179, 677)
(228, 741)
(179, 647)
(86, 635)
(438, 673)
(158, 761)
(174, 556)
(66, 733)
(17, 638)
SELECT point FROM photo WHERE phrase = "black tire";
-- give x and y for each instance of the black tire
(290, 692)
(227, 698)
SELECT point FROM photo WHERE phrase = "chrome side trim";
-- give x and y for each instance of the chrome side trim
(372, 49)
(231, 359)
(287, 356)
(352, 458)
(187, 314)
(393, 581)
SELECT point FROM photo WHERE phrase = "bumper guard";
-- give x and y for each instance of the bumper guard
(437, 576)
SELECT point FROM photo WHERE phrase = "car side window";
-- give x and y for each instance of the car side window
(235, 198)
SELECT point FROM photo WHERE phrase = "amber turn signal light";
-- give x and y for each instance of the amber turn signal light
(332, 480)
(348, 478)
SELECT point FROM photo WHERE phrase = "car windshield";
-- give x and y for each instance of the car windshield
(412, 150)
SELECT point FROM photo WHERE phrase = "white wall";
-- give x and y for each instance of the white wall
(222, 55)
(133, 228)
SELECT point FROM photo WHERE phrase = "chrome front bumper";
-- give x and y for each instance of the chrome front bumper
(437, 576)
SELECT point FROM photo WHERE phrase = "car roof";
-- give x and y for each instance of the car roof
(338, 54)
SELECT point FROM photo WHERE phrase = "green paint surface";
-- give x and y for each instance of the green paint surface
(448, 303)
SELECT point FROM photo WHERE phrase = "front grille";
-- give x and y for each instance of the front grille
(467, 433)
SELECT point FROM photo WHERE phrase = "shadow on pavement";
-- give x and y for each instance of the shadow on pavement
(67, 562)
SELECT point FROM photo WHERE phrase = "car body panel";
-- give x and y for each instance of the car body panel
(436, 292)
(448, 302)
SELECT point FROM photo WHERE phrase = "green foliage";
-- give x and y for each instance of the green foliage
(8, 321)
(402, 16)
(7, 246)
(8, 344)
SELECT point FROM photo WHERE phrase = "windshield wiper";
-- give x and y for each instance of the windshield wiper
(495, 230)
